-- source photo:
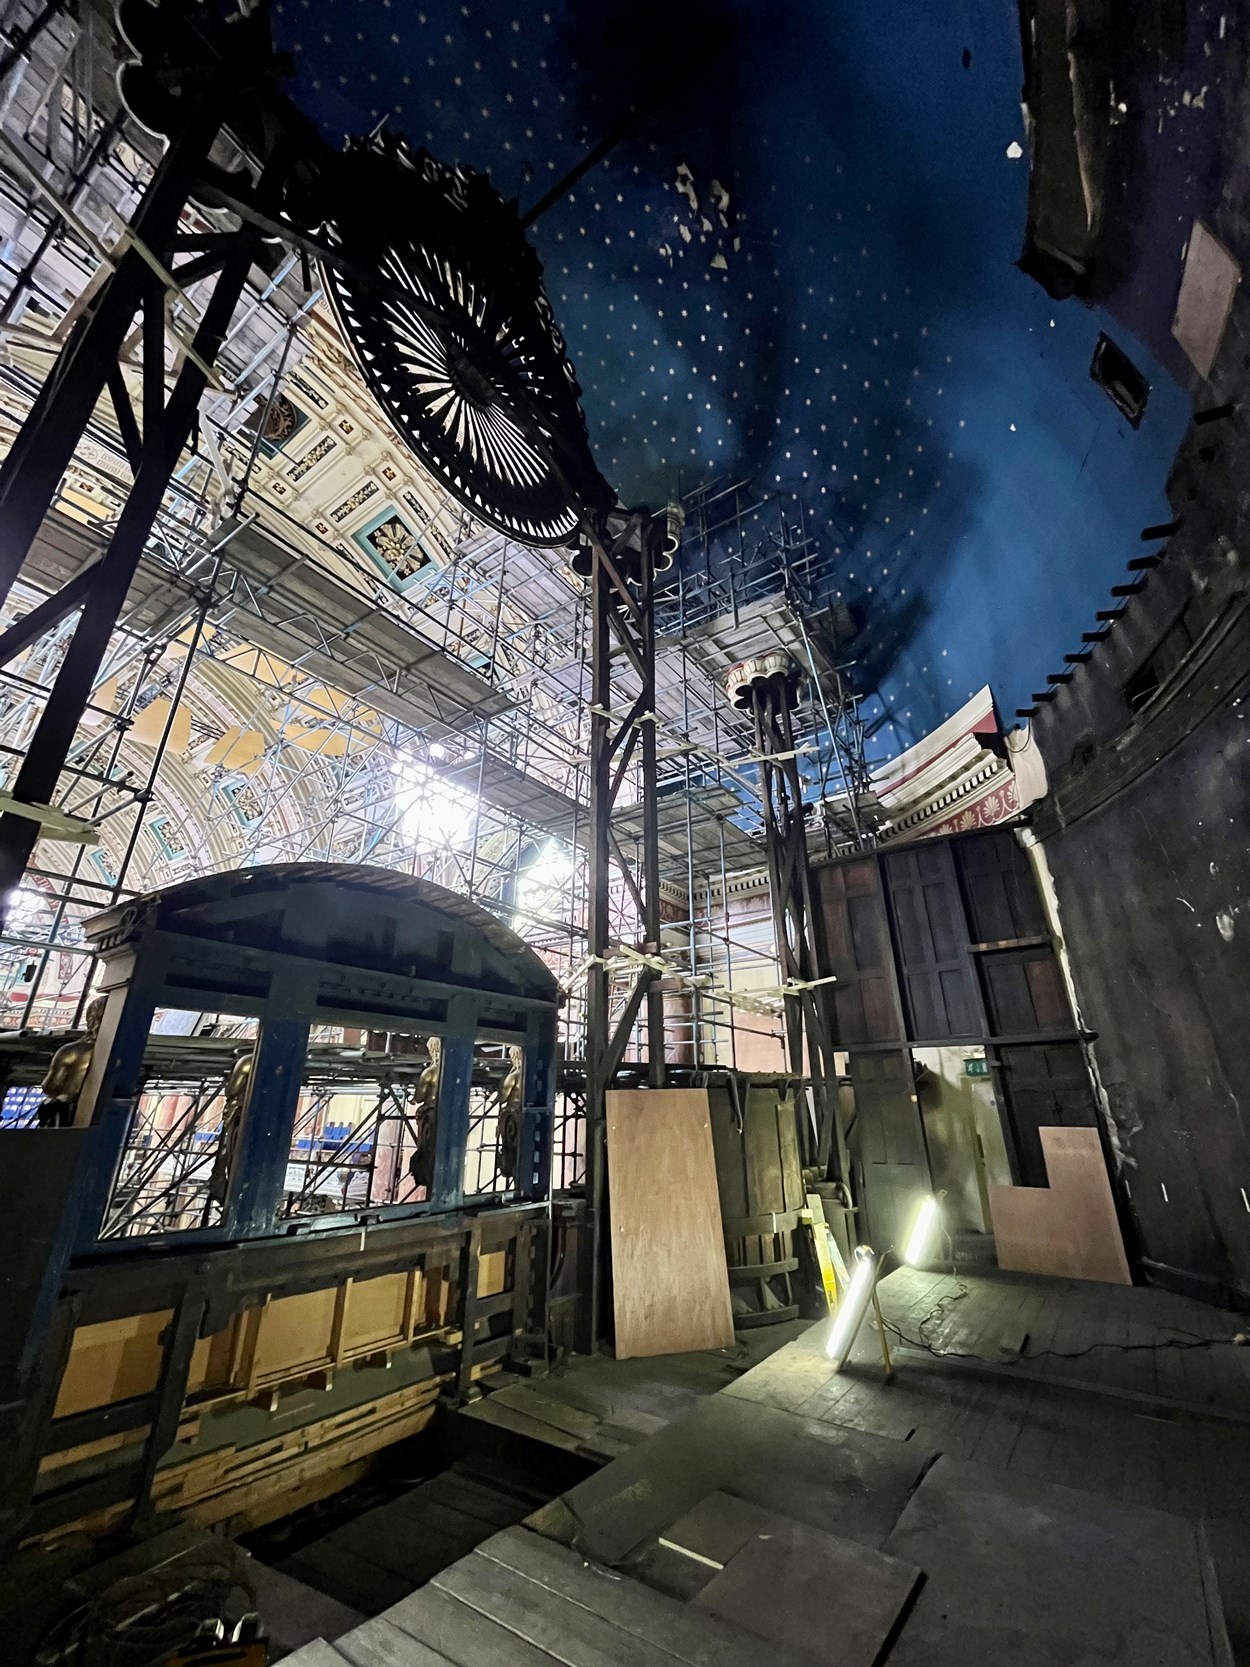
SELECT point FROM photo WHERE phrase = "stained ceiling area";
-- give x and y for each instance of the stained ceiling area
(798, 267)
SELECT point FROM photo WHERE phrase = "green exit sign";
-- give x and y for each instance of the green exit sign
(976, 1067)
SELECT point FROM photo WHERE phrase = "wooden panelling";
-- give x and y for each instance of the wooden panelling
(857, 944)
(1024, 992)
(999, 889)
(294, 1335)
(934, 969)
(222, 1483)
(112, 1361)
(888, 1145)
(670, 1282)
(125, 1388)
(1068, 1229)
(376, 1314)
(492, 1273)
(1040, 1085)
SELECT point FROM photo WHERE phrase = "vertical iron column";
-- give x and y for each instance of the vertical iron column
(650, 810)
(794, 920)
(622, 595)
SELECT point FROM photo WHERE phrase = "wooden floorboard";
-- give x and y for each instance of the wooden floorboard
(379, 1643)
(1070, 1324)
(461, 1633)
(691, 1637)
(1155, 1426)
(568, 1631)
(1147, 1425)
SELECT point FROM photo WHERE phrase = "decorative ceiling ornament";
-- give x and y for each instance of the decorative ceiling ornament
(471, 367)
(775, 669)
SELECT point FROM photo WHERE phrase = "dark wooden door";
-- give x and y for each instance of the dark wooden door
(887, 1145)
(1040, 1084)
(935, 973)
(1004, 904)
(858, 952)
(1024, 992)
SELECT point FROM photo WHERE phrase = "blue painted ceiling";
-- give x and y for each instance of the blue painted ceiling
(800, 269)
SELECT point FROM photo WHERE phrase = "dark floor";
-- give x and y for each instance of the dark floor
(1117, 1390)
(520, 1445)
(599, 1406)
(380, 1556)
(1055, 1426)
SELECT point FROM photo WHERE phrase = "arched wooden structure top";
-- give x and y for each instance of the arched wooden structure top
(349, 915)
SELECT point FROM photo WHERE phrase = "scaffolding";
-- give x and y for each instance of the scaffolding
(270, 694)
(413, 731)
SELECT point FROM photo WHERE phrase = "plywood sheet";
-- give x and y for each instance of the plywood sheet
(1068, 1229)
(774, 1459)
(294, 1333)
(213, 1359)
(716, 1529)
(670, 1282)
(492, 1273)
(376, 1312)
(1208, 286)
(112, 1361)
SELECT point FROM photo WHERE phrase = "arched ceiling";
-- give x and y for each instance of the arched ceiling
(800, 268)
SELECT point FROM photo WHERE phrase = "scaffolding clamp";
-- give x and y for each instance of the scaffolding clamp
(620, 718)
(796, 986)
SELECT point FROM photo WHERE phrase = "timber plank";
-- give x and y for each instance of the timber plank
(380, 1643)
(567, 1631)
(516, 1422)
(534, 1404)
(316, 1653)
(695, 1639)
(459, 1632)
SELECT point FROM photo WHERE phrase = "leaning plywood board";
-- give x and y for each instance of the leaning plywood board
(1068, 1229)
(1208, 288)
(669, 1278)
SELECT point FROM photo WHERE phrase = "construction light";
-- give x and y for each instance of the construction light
(924, 1227)
(849, 1315)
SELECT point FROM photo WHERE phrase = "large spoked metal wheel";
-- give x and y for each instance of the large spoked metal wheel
(457, 342)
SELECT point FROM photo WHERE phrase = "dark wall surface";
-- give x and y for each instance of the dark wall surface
(1154, 897)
